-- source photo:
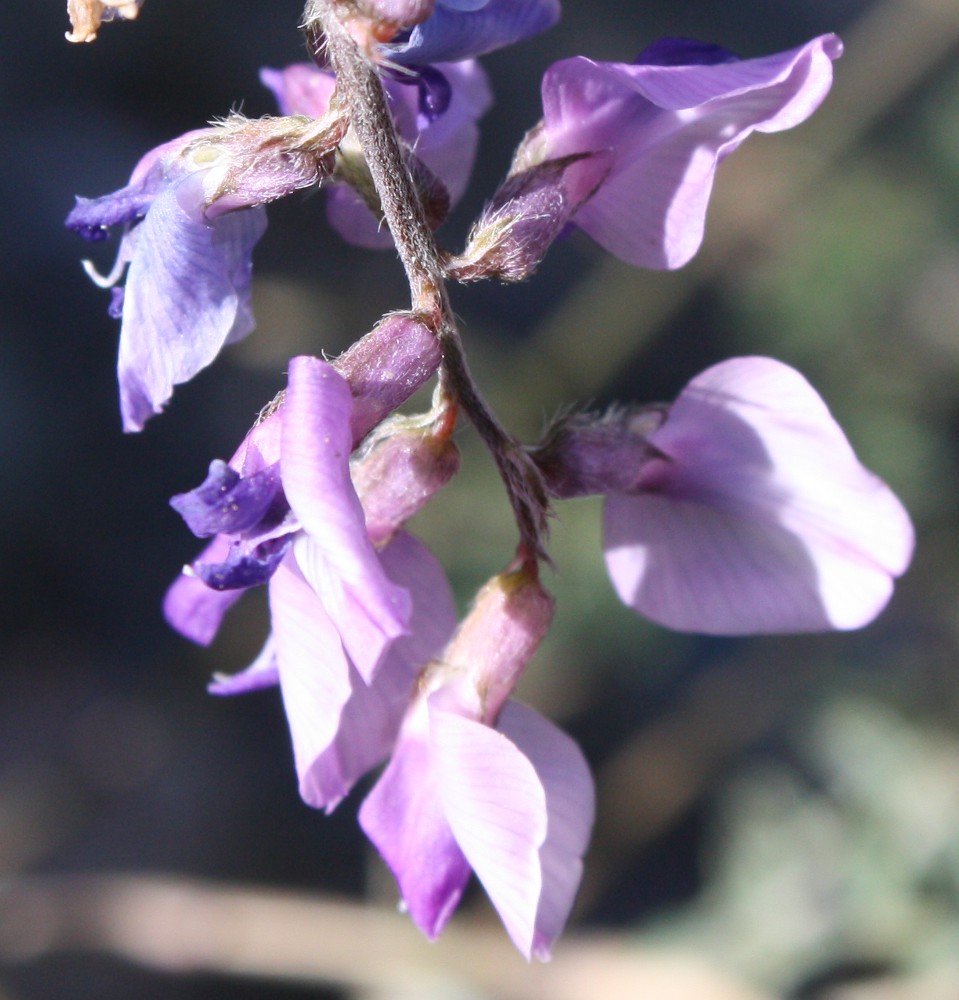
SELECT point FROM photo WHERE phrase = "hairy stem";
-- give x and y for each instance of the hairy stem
(359, 86)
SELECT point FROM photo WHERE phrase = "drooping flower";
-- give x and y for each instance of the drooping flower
(750, 513)
(191, 215)
(287, 498)
(658, 129)
(442, 131)
(478, 782)
(351, 623)
(464, 29)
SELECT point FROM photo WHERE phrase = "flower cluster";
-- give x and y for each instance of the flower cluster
(739, 508)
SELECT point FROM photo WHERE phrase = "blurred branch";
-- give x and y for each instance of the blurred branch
(178, 925)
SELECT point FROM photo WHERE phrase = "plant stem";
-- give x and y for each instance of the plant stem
(359, 86)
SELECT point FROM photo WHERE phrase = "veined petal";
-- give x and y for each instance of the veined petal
(187, 293)
(371, 718)
(760, 518)
(335, 553)
(495, 805)
(314, 674)
(404, 818)
(453, 34)
(668, 127)
(570, 809)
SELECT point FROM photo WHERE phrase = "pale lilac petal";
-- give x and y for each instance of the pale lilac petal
(187, 293)
(371, 717)
(300, 89)
(191, 607)
(454, 34)
(570, 810)
(314, 676)
(350, 216)
(760, 518)
(261, 673)
(335, 553)
(448, 145)
(403, 817)
(495, 805)
(669, 127)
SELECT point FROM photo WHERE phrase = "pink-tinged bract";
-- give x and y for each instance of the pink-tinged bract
(758, 517)
(667, 128)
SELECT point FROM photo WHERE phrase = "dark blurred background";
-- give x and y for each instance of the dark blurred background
(785, 810)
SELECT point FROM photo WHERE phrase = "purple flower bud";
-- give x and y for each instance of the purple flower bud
(753, 514)
(583, 454)
(667, 122)
(525, 215)
(385, 368)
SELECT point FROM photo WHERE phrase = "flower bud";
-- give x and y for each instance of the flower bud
(525, 216)
(401, 469)
(494, 643)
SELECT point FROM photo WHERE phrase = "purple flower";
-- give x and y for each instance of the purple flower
(479, 782)
(444, 141)
(191, 215)
(752, 514)
(462, 29)
(285, 511)
(341, 725)
(351, 624)
(663, 125)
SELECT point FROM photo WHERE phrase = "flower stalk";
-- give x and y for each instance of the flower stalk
(360, 87)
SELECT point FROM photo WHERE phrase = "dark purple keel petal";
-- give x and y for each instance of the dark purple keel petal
(192, 608)
(245, 566)
(684, 52)
(225, 503)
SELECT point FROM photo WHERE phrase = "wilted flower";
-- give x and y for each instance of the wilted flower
(479, 782)
(658, 129)
(191, 216)
(750, 513)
